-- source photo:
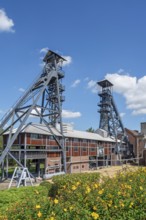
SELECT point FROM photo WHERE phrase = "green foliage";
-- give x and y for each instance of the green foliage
(79, 196)
(14, 196)
(65, 182)
(46, 184)
(92, 130)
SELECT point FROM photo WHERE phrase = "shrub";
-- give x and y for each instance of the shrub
(46, 184)
(77, 196)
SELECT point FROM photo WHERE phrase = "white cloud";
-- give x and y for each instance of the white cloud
(21, 90)
(6, 24)
(70, 114)
(35, 112)
(92, 85)
(75, 83)
(44, 50)
(122, 83)
(68, 60)
(132, 88)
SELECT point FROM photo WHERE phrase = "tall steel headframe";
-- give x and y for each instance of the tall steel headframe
(43, 100)
(110, 120)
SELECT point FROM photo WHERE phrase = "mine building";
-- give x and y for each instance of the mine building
(84, 150)
(138, 140)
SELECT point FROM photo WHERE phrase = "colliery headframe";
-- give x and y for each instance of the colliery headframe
(56, 145)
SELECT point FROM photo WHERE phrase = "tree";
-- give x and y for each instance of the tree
(92, 130)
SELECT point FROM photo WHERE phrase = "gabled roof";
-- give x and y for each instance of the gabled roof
(135, 133)
(42, 129)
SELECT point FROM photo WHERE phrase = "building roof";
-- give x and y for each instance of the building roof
(135, 133)
(49, 54)
(105, 83)
(42, 129)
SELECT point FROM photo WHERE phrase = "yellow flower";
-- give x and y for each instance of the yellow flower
(141, 188)
(110, 202)
(94, 215)
(65, 210)
(56, 201)
(37, 206)
(74, 187)
(51, 218)
(53, 213)
(88, 189)
(128, 187)
(78, 183)
(100, 192)
(96, 185)
(71, 208)
(94, 208)
(122, 205)
(131, 204)
(39, 214)
(119, 193)
(36, 192)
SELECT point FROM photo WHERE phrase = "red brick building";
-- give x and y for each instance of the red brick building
(84, 150)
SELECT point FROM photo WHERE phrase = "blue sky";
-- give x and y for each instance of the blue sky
(101, 39)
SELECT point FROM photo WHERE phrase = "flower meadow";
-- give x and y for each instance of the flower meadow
(79, 196)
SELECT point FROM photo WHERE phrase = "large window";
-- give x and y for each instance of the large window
(93, 141)
(92, 149)
(36, 136)
(76, 139)
(53, 147)
(84, 149)
(75, 149)
(50, 137)
(84, 140)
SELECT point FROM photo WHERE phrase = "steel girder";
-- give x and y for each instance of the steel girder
(44, 100)
(110, 119)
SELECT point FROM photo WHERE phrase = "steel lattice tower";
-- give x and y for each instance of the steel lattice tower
(110, 120)
(43, 100)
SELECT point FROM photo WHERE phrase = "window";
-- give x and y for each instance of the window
(53, 147)
(92, 149)
(50, 137)
(36, 136)
(84, 140)
(93, 141)
(67, 149)
(75, 167)
(84, 149)
(76, 140)
(75, 149)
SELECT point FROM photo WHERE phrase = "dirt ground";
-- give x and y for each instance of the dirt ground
(111, 171)
(106, 171)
